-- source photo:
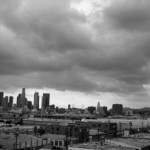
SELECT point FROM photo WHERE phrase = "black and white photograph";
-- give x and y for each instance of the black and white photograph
(74, 75)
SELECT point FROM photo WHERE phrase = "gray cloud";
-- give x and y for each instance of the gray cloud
(131, 15)
(49, 44)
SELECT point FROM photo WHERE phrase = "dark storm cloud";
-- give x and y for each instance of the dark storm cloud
(49, 44)
(49, 25)
(130, 15)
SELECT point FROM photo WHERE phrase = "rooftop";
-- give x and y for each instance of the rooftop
(145, 136)
(95, 132)
(8, 140)
(98, 146)
(130, 142)
(56, 137)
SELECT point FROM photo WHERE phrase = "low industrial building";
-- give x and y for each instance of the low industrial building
(97, 146)
(137, 144)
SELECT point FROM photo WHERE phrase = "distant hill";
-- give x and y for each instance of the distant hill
(145, 109)
(126, 108)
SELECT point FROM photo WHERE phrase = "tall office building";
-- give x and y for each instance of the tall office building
(19, 100)
(5, 103)
(1, 98)
(36, 100)
(45, 100)
(98, 106)
(29, 104)
(10, 102)
(105, 110)
(117, 109)
(69, 107)
(92, 109)
(23, 98)
(99, 110)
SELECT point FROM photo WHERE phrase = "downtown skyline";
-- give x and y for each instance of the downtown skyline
(79, 51)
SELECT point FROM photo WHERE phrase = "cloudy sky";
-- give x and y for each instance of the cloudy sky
(80, 51)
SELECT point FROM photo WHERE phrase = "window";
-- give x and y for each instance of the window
(60, 143)
(56, 143)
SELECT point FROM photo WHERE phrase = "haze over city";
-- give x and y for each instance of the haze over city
(79, 51)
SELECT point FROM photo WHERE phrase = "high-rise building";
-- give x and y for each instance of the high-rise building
(69, 106)
(29, 104)
(105, 110)
(10, 102)
(1, 98)
(5, 103)
(23, 92)
(23, 98)
(91, 109)
(19, 100)
(117, 109)
(99, 110)
(98, 106)
(36, 100)
(45, 100)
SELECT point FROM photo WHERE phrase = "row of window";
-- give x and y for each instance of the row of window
(57, 143)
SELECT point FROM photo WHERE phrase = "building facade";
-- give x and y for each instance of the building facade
(29, 104)
(5, 103)
(1, 98)
(117, 109)
(23, 98)
(10, 102)
(70, 130)
(99, 110)
(45, 100)
(19, 101)
(36, 100)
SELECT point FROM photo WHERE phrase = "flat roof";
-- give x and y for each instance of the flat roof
(131, 142)
(95, 132)
(141, 136)
(97, 145)
(8, 140)
(56, 137)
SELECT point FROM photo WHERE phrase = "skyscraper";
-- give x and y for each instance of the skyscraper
(69, 107)
(23, 98)
(98, 106)
(5, 103)
(29, 104)
(1, 98)
(10, 102)
(19, 100)
(45, 100)
(36, 100)
(99, 110)
(117, 109)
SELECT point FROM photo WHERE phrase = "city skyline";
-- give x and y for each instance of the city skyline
(80, 52)
(37, 99)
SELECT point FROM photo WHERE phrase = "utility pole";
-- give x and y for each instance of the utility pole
(130, 125)
(16, 135)
(120, 128)
(70, 133)
(109, 127)
(142, 124)
(66, 142)
(98, 133)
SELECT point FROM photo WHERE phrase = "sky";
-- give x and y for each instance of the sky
(79, 51)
